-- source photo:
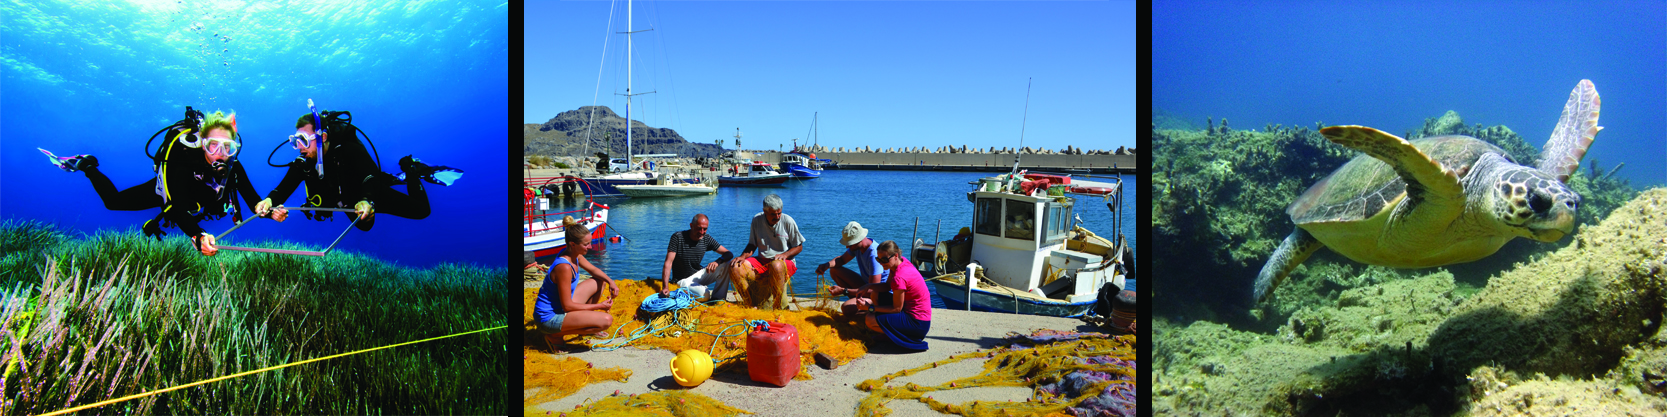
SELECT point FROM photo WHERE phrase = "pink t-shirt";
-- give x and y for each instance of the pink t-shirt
(917, 301)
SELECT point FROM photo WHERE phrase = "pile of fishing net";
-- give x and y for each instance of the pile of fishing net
(720, 329)
(1084, 374)
(557, 376)
(660, 403)
(561, 376)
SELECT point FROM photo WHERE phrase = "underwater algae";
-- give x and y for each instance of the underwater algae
(1572, 330)
(116, 313)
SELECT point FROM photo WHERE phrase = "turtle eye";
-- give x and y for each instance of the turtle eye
(1539, 202)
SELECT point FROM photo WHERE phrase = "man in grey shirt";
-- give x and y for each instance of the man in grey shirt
(776, 239)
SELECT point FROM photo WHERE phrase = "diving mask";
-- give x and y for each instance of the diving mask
(302, 139)
(220, 145)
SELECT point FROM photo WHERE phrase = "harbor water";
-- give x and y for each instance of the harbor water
(885, 202)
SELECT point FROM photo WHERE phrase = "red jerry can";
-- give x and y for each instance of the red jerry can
(773, 353)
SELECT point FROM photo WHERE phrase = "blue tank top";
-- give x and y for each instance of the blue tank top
(547, 306)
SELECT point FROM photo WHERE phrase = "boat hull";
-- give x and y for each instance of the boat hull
(651, 191)
(954, 295)
(770, 181)
(609, 187)
(801, 172)
(550, 239)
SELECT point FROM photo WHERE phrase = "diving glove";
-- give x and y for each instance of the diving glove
(153, 229)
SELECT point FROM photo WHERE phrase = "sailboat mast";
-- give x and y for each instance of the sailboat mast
(629, 162)
(628, 94)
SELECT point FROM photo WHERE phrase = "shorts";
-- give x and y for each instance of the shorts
(759, 267)
(553, 326)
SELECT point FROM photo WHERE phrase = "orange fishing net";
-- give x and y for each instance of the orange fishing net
(561, 376)
(558, 376)
(824, 331)
(1042, 368)
(661, 403)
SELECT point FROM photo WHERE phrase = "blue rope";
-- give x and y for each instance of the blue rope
(675, 300)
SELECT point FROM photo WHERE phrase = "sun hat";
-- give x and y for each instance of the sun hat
(853, 233)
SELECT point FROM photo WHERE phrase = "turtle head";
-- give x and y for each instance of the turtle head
(1534, 203)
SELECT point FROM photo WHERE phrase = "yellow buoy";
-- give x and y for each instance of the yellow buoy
(691, 367)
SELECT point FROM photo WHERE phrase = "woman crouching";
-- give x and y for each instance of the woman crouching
(909, 316)
(567, 305)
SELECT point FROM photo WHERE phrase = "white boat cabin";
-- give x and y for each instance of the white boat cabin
(1020, 241)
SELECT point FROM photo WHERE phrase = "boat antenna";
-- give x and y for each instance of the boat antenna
(1022, 122)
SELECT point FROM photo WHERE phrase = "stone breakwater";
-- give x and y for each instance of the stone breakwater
(1121, 160)
(963, 149)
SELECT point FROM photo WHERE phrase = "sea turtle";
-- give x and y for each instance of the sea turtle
(1435, 201)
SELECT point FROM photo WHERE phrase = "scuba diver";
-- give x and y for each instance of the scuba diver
(197, 177)
(339, 172)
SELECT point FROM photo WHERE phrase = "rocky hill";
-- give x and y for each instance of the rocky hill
(564, 135)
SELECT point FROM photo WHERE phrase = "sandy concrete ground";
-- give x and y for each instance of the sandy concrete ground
(833, 392)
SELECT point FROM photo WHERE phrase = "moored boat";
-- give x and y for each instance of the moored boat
(801, 165)
(541, 231)
(1030, 258)
(754, 174)
(667, 186)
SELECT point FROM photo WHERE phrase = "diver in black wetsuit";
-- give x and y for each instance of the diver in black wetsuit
(199, 174)
(339, 172)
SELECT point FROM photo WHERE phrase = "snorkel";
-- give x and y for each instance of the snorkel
(318, 129)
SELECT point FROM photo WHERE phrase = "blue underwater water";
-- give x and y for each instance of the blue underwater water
(1392, 65)
(428, 79)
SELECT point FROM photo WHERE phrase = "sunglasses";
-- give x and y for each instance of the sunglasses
(885, 259)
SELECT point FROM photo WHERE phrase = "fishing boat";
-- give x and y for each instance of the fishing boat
(667, 186)
(754, 174)
(801, 164)
(1024, 254)
(541, 231)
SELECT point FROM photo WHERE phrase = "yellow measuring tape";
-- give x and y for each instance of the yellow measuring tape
(193, 384)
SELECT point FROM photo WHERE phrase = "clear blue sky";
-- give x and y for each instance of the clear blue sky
(880, 73)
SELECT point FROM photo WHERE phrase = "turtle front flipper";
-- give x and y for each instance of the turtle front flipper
(1574, 133)
(1434, 194)
(1296, 248)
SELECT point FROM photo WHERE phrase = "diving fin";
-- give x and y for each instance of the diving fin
(437, 174)
(71, 163)
(441, 174)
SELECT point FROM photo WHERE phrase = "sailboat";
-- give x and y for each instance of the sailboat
(607, 185)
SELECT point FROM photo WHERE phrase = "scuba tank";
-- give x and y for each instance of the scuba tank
(347, 138)
(188, 133)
